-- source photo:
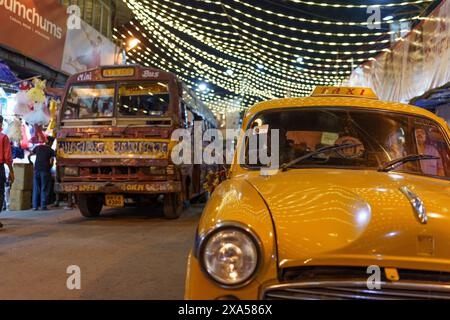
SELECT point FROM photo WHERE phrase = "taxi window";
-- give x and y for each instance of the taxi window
(381, 137)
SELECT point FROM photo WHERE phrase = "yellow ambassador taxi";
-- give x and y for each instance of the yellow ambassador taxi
(363, 186)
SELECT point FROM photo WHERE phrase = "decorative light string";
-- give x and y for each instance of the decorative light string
(282, 52)
(361, 6)
(271, 61)
(227, 25)
(312, 21)
(183, 22)
(276, 66)
(162, 63)
(216, 73)
(264, 93)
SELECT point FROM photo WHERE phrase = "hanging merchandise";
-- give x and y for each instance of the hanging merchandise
(52, 106)
(38, 116)
(24, 143)
(14, 130)
(22, 105)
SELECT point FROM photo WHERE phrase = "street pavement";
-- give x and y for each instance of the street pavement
(128, 253)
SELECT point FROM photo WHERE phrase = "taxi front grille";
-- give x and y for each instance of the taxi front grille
(344, 290)
(334, 282)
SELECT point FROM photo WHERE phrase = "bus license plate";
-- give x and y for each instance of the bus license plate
(114, 200)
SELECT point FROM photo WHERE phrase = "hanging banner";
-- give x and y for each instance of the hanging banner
(86, 49)
(416, 64)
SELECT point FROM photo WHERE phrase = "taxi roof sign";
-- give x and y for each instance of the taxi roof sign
(344, 92)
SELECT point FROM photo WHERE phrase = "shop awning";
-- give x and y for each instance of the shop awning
(6, 75)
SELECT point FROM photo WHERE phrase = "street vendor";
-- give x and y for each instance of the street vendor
(42, 173)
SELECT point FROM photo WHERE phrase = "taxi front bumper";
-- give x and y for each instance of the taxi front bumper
(153, 187)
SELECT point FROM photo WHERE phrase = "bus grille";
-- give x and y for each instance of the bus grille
(121, 173)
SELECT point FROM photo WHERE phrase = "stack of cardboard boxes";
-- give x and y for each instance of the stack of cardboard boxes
(22, 188)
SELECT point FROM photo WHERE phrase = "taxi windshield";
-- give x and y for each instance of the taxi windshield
(376, 137)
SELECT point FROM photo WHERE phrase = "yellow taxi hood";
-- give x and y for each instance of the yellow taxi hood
(357, 217)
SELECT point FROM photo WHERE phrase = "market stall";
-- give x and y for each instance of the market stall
(28, 108)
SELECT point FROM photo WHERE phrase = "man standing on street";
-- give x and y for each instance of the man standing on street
(42, 173)
(5, 158)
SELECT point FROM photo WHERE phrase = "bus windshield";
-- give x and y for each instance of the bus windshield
(143, 99)
(134, 99)
(89, 101)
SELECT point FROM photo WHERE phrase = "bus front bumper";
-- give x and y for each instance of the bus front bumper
(155, 187)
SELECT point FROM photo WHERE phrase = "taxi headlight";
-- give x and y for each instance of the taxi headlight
(230, 256)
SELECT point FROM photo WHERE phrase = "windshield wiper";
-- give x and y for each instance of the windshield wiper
(391, 165)
(335, 147)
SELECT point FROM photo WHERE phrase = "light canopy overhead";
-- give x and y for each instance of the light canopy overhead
(238, 52)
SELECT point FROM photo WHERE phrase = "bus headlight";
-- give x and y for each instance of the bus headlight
(157, 170)
(71, 171)
(230, 256)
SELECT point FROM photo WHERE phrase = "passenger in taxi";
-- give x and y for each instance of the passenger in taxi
(425, 146)
(396, 145)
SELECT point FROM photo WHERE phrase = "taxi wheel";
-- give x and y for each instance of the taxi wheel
(173, 205)
(89, 205)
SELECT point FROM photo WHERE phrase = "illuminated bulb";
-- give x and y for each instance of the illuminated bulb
(133, 44)
(202, 87)
(229, 72)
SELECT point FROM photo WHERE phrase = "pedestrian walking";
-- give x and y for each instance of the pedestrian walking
(42, 173)
(5, 158)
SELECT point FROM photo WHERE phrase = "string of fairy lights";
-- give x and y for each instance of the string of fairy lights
(238, 52)
(164, 40)
(284, 58)
(314, 21)
(337, 5)
(234, 58)
(245, 57)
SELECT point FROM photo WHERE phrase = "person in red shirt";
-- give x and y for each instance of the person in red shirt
(5, 158)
